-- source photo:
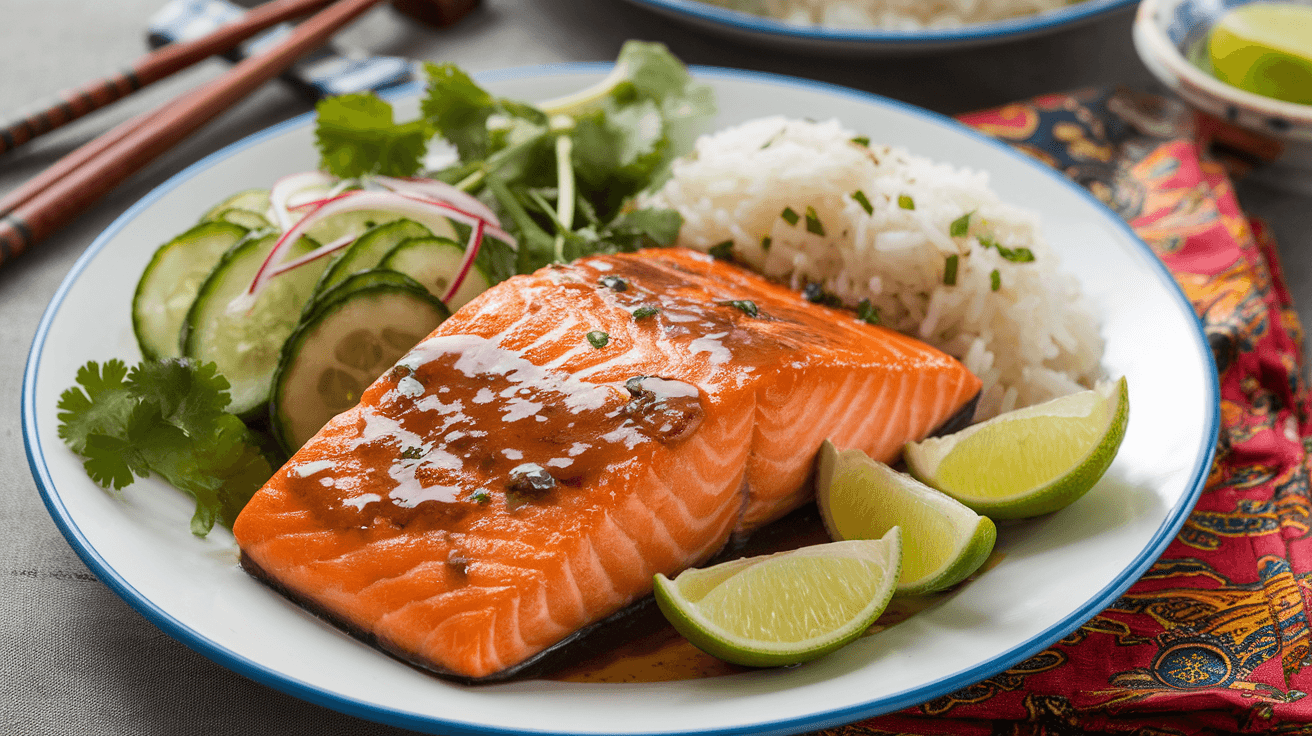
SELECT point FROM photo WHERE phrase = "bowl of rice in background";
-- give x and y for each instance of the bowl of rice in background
(882, 27)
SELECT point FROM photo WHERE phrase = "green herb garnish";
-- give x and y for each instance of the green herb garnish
(813, 222)
(867, 312)
(356, 136)
(950, 270)
(722, 251)
(906, 202)
(481, 497)
(164, 417)
(765, 243)
(960, 226)
(861, 140)
(1015, 255)
(995, 280)
(645, 312)
(790, 216)
(746, 306)
(412, 453)
(583, 156)
(816, 294)
(860, 198)
(598, 339)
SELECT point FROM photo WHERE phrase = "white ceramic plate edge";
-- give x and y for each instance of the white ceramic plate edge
(1171, 524)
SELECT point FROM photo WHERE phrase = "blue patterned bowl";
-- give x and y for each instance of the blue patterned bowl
(1165, 30)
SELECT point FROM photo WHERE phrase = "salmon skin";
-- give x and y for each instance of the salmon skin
(524, 471)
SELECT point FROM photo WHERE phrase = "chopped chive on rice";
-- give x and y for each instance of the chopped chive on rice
(813, 222)
(790, 216)
(765, 243)
(960, 226)
(906, 202)
(722, 250)
(861, 141)
(995, 280)
(860, 198)
(914, 269)
(1015, 255)
(598, 339)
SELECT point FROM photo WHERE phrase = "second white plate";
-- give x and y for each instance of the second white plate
(858, 42)
(1056, 572)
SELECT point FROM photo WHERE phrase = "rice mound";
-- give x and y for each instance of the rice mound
(1032, 339)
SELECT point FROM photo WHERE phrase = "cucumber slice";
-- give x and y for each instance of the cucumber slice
(369, 249)
(434, 262)
(245, 218)
(245, 341)
(355, 282)
(355, 224)
(345, 345)
(170, 282)
(252, 200)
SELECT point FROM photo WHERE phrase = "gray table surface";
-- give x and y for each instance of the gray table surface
(74, 659)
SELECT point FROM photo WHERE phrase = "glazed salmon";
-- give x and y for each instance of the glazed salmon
(526, 469)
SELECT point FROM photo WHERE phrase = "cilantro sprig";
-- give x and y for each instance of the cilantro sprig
(165, 418)
(561, 172)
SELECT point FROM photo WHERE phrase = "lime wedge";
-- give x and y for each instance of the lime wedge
(1030, 461)
(1265, 48)
(943, 541)
(784, 608)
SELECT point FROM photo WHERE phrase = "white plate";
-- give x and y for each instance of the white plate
(876, 41)
(1056, 572)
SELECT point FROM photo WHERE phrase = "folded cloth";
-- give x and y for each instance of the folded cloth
(1214, 637)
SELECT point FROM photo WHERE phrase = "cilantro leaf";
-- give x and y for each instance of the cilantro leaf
(102, 409)
(187, 397)
(458, 109)
(107, 459)
(356, 135)
(165, 418)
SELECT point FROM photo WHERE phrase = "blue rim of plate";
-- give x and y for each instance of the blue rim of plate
(344, 704)
(692, 10)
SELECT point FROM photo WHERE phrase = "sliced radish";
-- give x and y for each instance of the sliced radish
(442, 192)
(314, 255)
(471, 251)
(283, 195)
(423, 210)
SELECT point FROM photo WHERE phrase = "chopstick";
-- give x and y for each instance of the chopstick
(123, 151)
(72, 104)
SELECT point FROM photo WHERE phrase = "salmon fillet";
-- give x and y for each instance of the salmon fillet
(512, 480)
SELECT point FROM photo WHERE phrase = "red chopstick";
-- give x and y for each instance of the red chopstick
(72, 104)
(123, 151)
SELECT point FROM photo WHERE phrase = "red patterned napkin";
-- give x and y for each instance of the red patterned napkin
(1214, 637)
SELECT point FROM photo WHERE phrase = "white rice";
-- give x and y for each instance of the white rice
(1033, 339)
(898, 15)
